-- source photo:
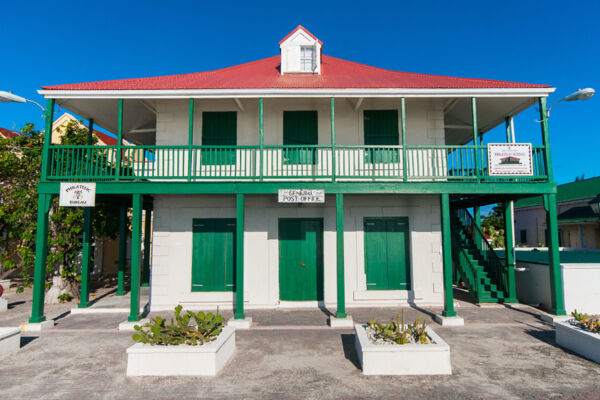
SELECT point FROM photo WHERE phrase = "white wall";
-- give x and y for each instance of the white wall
(580, 286)
(424, 119)
(172, 248)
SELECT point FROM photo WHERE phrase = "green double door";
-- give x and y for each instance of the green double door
(301, 259)
(387, 257)
(213, 254)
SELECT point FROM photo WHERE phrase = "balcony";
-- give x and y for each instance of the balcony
(319, 163)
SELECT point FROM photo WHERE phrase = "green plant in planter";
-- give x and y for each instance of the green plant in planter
(589, 323)
(400, 333)
(188, 328)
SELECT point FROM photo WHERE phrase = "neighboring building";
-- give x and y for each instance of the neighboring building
(60, 124)
(7, 133)
(579, 227)
(304, 180)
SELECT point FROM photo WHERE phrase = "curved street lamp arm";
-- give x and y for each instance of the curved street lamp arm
(37, 104)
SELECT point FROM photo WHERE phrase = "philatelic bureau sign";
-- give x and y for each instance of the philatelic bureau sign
(510, 159)
(77, 194)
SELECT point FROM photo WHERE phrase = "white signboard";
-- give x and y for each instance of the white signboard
(301, 196)
(77, 194)
(510, 159)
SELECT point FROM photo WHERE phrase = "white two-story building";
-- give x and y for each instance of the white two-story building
(302, 180)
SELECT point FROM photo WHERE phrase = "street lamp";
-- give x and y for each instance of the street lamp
(595, 205)
(581, 94)
(9, 97)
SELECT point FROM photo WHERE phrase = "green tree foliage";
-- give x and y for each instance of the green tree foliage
(493, 225)
(20, 162)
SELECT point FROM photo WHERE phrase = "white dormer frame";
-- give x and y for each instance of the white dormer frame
(293, 58)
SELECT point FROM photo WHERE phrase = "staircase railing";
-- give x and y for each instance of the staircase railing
(468, 275)
(494, 266)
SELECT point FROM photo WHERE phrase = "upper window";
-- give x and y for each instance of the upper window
(306, 58)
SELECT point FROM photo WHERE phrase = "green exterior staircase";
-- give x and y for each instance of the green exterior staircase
(476, 264)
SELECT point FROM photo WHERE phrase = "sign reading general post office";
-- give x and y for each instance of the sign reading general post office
(510, 159)
(77, 194)
(301, 196)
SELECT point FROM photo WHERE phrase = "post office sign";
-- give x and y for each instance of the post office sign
(301, 196)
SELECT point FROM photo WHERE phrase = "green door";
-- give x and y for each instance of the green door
(213, 255)
(387, 258)
(381, 129)
(300, 259)
(219, 129)
(300, 128)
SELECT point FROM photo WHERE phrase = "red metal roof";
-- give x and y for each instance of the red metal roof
(305, 30)
(109, 140)
(264, 74)
(7, 133)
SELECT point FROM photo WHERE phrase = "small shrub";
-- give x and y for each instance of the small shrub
(65, 297)
(188, 328)
(589, 323)
(398, 332)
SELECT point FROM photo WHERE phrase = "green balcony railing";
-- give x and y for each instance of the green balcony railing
(232, 163)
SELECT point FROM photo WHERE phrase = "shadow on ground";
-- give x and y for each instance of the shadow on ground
(349, 349)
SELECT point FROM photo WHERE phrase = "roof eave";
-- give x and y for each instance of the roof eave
(296, 92)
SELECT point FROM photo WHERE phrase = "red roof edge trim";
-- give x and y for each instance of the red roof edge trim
(296, 30)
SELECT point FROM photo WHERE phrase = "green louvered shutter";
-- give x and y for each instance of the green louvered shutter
(219, 129)
(381, 129)
(213, 255)
(300, 128)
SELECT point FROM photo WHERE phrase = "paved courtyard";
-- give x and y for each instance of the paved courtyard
(501, 352)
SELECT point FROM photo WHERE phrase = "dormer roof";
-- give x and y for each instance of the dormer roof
(300, 27)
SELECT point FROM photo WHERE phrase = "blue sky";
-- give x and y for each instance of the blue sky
(549, 42)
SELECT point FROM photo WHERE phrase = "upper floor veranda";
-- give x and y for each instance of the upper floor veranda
(400, 139)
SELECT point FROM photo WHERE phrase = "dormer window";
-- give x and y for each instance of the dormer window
(307, 58)
(300, 52)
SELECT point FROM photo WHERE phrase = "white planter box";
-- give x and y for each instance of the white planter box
(208, 359)
(584, 343)
(406, 359)
(10, 340)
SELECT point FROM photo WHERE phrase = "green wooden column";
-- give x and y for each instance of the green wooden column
(147, 236)
(556, 281)
(136, 244)
(86, 250)
(190, 139)
(239, 257)
(475, 136)
(477, 220)
(119, 141)
(49, 116)
(41, 238)
(261, 139)
(509, 248)
(122, 249)
(404, 160)
(546, 138)
(41, 252)
(333, 169)
(339, 225)
(447, 257)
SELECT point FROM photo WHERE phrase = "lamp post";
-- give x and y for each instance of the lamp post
(9, 97)
(581, 94)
